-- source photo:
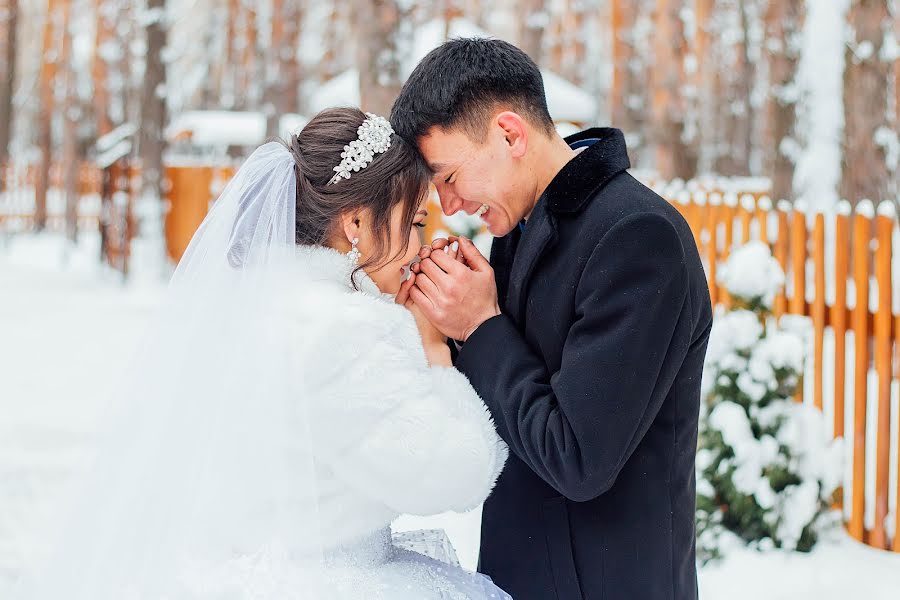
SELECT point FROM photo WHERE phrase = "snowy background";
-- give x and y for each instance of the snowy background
(791, 98)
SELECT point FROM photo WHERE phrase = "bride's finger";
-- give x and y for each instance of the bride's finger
(403, 295)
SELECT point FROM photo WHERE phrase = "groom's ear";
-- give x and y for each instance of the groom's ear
(514, 131)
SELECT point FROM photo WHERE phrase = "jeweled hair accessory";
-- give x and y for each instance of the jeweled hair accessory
(373, 137)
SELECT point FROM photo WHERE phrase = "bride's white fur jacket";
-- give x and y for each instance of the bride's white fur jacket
(391, 434)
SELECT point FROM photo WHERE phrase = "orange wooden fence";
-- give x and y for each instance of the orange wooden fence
(825, 255)
(190, 189)
(17, 200)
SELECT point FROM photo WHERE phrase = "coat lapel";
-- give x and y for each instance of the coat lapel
(538, 238)
(572, 188)
(502, 253)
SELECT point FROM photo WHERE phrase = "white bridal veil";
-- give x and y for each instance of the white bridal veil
(204, 484)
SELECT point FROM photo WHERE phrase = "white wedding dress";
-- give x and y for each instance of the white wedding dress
(391, 435)
(276, 423)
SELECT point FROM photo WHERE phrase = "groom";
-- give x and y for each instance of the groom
(585, 334)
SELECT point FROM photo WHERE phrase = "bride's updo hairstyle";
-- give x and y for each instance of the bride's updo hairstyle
(396, 176)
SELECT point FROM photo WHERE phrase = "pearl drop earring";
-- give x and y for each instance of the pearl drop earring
(353, 255)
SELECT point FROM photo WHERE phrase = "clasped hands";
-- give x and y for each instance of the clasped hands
(453, 287)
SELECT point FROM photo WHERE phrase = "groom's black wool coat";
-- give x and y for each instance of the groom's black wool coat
(592, 374)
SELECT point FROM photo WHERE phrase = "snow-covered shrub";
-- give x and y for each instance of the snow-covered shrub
(766, 466)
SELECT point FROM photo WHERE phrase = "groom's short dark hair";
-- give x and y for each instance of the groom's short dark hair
(460, 84)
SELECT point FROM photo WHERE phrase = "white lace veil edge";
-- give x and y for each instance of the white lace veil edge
(204, 478)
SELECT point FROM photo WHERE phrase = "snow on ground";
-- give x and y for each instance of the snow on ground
(837, 569)
(67, 328)
(63, 321)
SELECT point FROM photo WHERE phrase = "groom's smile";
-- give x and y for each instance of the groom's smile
(479, 177)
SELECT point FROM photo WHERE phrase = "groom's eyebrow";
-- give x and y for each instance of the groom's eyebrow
(436, 168)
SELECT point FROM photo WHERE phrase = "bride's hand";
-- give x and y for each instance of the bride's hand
(435, 342)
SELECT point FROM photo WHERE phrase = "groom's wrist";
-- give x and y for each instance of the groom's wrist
(468, 333)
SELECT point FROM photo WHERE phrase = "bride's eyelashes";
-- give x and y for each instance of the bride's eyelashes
(420, 225)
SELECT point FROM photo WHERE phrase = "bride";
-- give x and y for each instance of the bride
(291, 402)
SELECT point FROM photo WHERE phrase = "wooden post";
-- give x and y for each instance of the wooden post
(729, 211)
(712, 249)
(839, 312)
(692, 214)
(746, 210)
(884, 227)
(861, 230)
(797, 302)
(763, 209)
(818, 308)
(701, 214)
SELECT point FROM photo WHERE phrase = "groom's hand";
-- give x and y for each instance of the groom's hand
(455, 297)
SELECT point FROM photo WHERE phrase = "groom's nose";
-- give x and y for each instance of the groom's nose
(450, 202)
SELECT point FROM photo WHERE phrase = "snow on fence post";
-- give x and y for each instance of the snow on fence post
(862, 224)
(713, 214)
(701, 206)
(728, 212)
(818, 307)
(763, 208)
(745, 213)
(839, 311)
(884, 226)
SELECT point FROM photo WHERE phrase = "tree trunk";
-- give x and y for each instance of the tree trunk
(44, 116)
(734, 160)
(100, 69)
(864, 172)
(71, 117)
(7, 82)
(675, 152)
(379, 27)
(153, 117)
(628, 96)
(784, 22)
(565, 51)
(250, 73)
(283, 69)
(704, 83)
(531, 28)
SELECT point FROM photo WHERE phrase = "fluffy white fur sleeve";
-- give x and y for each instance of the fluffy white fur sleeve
(416, 437)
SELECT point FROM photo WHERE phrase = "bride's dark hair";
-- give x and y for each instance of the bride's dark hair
(397, 176)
